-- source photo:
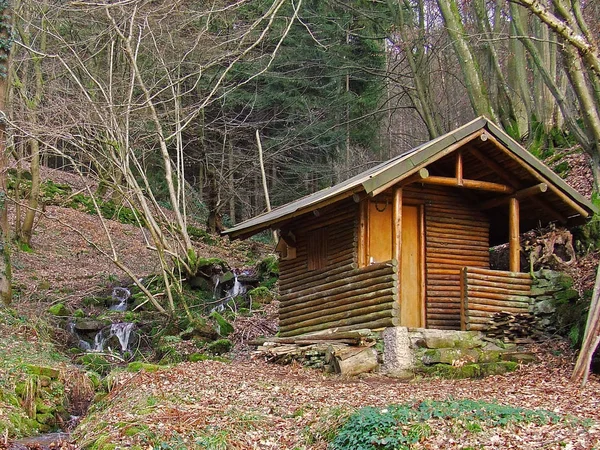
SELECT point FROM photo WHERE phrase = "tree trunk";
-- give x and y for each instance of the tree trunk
(5, 264)
(517, 81)
(414, 53)
(472, 75)
(504, 102)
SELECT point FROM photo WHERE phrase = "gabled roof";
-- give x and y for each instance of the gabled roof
(397, 169)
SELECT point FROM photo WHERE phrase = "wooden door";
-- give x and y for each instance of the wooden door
(380, 232)
(411, 300)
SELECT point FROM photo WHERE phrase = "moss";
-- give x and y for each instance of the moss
(135, 429)
(479, 370)
(224, 328)
(268, 266)
(261, 295)
(219, 347)
(138, 366)
(41, 370)
(59, 309)
(95, 363)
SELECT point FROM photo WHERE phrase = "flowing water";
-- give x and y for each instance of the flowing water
(122, 331)
(120, 295)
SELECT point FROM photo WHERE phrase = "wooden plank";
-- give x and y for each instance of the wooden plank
(341, 325)
(337, 287)
(498, 273)
(489, 295)
(498, 289)
(363, 310)
(469, 184)
(374, 285)
(345, 304)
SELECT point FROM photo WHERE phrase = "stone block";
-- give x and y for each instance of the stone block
(397, 354)
(544, 307)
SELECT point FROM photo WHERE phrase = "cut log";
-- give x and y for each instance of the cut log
(361, 360)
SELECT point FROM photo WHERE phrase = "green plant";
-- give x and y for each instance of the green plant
(401, 426)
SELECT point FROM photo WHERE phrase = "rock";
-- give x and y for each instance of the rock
(478, 370)
(42, 371)
(566, 295)
(544, 307)
(219, 347)
(448, 339)
(84, 324)
(59, 310)
(397, 355)
(201, 283)
(227, 276)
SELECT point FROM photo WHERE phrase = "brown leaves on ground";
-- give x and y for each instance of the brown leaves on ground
(256, 405)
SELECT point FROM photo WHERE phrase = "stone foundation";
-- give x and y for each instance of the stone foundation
(448, 353)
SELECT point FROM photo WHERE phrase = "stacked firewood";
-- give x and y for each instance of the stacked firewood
(509, 327)
(346, 353)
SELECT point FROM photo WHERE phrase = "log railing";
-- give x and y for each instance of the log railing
(485, 292)
(345, 299)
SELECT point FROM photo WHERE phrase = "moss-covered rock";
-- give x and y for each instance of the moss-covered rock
(478, 370)
(41, 370)
(219, 347)
(59, 309)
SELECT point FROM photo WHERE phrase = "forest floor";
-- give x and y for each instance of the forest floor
(250, 403)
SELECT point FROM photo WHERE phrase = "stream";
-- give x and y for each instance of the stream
(48, 441)
(97, 335)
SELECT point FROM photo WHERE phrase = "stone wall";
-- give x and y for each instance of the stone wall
(448, 353)
(555, 304)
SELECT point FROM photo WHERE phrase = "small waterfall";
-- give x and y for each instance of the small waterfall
(237, 289)
(83, 344)
(120, 295)
(121, 330)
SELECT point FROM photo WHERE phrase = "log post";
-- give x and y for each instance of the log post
(397, 236)
(397, 224)
(459, 168)
(513, 236)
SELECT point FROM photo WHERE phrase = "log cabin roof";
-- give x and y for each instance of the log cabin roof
(489, 156)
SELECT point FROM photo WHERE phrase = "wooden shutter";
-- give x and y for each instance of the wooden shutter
(317, 248)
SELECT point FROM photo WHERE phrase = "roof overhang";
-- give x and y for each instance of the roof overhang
(398, 169)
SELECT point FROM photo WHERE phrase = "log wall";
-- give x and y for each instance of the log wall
(456, 235)
(339, 294)
(485, 292)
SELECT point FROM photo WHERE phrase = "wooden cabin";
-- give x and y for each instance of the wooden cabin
(406, 243)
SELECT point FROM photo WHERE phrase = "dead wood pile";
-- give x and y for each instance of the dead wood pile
(346, 353)
(517, 328)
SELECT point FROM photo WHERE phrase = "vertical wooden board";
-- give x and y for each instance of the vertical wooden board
(380, 231)
(410, 269)
(363, 233)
